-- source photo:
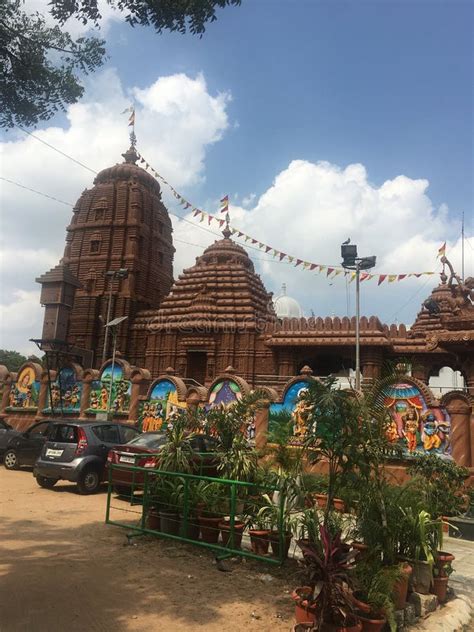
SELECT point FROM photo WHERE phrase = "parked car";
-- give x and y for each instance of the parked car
(23, 448)
(148, 446)
(77, 452)
(6, 433)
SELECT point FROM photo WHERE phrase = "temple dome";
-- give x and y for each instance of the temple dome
(128, 170)
(287, 307)
(221, 287)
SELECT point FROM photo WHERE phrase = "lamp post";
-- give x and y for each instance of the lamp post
(351, 261)
(113, 325)
(111, 275)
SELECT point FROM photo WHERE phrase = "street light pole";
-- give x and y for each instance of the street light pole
(111, 275)
(351, 261)
(357, 271)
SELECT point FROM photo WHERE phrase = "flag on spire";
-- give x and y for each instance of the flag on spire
(131, 119)
(442, 251)
(225, 204)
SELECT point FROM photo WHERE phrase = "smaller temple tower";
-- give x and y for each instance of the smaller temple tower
(58, 287)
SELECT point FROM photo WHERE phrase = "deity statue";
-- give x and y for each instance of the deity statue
(462, 291)
(410, 429)
(391, 431)
(430, 437)
(301, 415)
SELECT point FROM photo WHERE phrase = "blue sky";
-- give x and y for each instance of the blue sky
(321, 119)
(388, 84)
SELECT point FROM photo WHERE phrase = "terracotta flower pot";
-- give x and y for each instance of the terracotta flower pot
(192, 528)
(274, 538)
(439, 588)
(442, 558)
(355, 627)
(359, 605)
(169, 522)
(305, 611)
(445, 523)
(239, 527)
(259, 541)
(372, 625)
(339, 505)
(209, 529)
(400, 588)
(153, 520)
(321, 500)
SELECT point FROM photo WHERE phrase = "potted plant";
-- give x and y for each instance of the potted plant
(259, 526)
(441, 575)
(210, 503)
(282, 520)
(375, 583)
(228, 530)
(164, 492)
(309, 522)
(419, 544)
(328, 564)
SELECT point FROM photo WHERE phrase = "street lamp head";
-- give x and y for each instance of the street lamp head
(367, 262)
(348, 254)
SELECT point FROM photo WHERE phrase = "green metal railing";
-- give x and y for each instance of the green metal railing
(235, 494)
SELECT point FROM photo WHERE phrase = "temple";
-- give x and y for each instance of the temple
(217, 318)
(218, 313)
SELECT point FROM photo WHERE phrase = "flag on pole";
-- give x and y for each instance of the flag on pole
(442, 251)
(224, 204)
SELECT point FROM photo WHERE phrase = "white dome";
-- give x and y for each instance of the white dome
(287, 307)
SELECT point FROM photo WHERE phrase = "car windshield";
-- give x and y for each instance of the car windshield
(150, 440)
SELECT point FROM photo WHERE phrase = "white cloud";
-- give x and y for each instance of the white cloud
(73, 26)
(21, 320)
(176, 120)
(310, 209)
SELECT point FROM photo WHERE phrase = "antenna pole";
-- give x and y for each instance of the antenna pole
(462, 247)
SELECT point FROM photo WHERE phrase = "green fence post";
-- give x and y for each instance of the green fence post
(232, 514)
(281, 534)
(145, 500)
(109, 492)
(185, 508)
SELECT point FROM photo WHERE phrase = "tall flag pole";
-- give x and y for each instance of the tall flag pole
(462, 248)
(224, 208)
(131, 123)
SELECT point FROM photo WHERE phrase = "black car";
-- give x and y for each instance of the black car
(78, 452)
(24, 448)
(6, 433)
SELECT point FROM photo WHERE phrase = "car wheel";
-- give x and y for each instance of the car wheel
(10, 460)
(47, 483)
(89, 481)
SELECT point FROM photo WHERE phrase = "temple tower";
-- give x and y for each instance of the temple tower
(118, 224)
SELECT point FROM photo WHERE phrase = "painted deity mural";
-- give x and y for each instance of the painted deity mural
(415, 426)
(25, 391)
(226, 393)
(65, 393)
(294, 404)
(158, 411)
(119, 394)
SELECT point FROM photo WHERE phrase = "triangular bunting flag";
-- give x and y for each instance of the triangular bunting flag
(221, 222)
(282, 256)
(382, 278)
(196, 212)
(312, 266)
(330, 271)
(392, 278)
(267, 248)
(401, 277)
(298, 262)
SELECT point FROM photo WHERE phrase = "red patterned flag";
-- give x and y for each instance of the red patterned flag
(225, 204)
(382, 278)
(401, 276)
(298, 262)
(330, 271)
(240, 234)
(196, 212)
(254, 241)
(312, 266)
(221, 222)
(267, 248)
(187, 205)
(282, 256)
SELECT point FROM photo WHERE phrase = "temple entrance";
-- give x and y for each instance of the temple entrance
(327, 364)
(196, 365)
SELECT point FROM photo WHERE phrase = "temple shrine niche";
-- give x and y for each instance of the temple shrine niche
(162, 404)
(65, 391)
(112, 391)
(25, 389)
(416, 426)
(292, 403)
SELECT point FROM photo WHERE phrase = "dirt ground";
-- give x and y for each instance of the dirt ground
(62, 569)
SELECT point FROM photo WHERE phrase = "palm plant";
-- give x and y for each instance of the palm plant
(177, 454)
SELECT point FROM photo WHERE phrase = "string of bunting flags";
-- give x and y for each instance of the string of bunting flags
(329, 271)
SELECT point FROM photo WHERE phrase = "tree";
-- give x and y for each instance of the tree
(11, 359)
(40, 64)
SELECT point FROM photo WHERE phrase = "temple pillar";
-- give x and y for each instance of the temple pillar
(461, 437)
(371, 364)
